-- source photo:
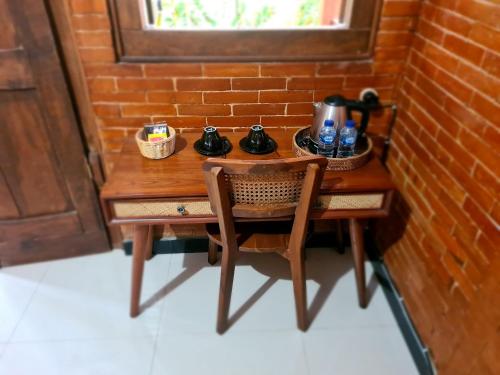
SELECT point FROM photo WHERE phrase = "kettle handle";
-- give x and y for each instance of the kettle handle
(358, 106)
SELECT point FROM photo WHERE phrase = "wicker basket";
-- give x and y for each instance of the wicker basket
(334, 164)
(156, 150)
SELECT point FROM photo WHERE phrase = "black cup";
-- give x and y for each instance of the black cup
(257, 138)
(211, 139)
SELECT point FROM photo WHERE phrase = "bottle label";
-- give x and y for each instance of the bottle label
(326, 139)
(348, 141)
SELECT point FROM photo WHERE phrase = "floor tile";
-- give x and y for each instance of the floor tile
(354, 351)
(241, 353)
(17, 285)
(84, 357)
(88, 297)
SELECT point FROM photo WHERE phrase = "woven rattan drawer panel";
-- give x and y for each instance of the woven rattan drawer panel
(350, 201)
(165, 208)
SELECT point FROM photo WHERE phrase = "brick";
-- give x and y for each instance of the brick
(204, 109)
(452, 21)
(294, 121)
(343, 68)
(491, 63)
(487, 179)
(288, 70)
(285, 96)
(492, 136)
(457, 274)
(485, 36)
(131, 110)
(334, 83)
(463, 114)
(183, 121)
(394, 53)
(113, 70)
(101, 85)
(94, 39)
(102, 110)
(475, 146)
(478, 79)
(453, 86)
(90, 22)
(423, 120)
(484, 222)
(184, 97)
(393, 39)
(397, 24)
(88, 6)
(172, 70)
(299, 109)
(128, 122)
(230, 70)
(480, 11)
(463, 48)
(258, 83)
(258, 109)
(231, 97)
(119, 97)
(485, 108)
(97, 55)
(429, 31)
(400, 8)
(112, 139)
(234, 121)
(203, 84)
(135, 84)
(389, 67)
(440, 57)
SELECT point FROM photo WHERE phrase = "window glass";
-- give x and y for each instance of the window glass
(245, 14)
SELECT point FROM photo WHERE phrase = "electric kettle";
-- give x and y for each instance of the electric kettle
(338, 109)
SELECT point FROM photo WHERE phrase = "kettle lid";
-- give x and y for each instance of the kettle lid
(335, 100)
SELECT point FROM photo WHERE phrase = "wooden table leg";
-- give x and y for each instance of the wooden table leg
(358, 252)
(148, 251)
(138, 250)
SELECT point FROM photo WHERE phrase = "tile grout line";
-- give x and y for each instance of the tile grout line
(155, 343)
(24, 311)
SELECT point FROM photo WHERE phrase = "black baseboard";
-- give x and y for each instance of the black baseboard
(418, 350)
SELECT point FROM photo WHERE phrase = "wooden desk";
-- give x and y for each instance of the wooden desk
(172, 191)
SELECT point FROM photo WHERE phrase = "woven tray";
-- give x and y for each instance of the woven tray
(156, 150)
(334, 164)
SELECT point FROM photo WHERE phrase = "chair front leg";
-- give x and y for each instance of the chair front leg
(358, 253)
(297, 267)
(226, 285)
(138, 250)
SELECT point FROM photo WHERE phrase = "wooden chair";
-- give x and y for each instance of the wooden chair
(248, 191)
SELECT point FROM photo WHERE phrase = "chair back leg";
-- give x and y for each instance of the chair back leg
(297, 268)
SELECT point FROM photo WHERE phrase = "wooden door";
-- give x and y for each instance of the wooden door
(48, 202)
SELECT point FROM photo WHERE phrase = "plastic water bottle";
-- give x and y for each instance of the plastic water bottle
(347, 139)
(326, 142)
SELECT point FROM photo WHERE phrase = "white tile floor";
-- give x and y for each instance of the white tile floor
(71, 317)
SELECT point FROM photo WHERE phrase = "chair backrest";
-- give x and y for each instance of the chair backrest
(264, 189)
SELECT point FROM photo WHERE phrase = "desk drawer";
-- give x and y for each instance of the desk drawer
(350, 201)
(162, 208)
(179, 208)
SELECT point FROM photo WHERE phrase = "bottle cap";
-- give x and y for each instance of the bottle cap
(328, 122)
(350, 124)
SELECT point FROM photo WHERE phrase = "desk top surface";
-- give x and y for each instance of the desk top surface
(180, 175)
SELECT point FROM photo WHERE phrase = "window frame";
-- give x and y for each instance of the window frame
(135, 43)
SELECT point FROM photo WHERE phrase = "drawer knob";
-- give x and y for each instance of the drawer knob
(182, 210)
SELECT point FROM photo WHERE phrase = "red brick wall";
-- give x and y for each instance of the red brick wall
(125, 96)
(445, 161)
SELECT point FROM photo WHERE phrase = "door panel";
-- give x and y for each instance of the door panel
(49, 205)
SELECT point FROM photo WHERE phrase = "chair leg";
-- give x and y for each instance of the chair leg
(140, 238)
(358, 253)
(212, 252)
(226, 286)
(299, 287)
(148, 251)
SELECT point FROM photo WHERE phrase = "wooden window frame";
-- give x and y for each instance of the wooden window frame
(135, 43)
